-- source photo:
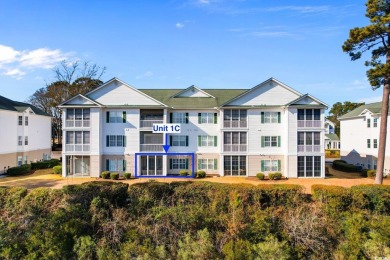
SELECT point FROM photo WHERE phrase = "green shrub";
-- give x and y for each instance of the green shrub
(114, 176)
(106, 175)
(127, 175)
(371, 197)
(15, 171)
(260, 176)
(343, 166)
(275, 176)
(45, 164)
(371, 173)
(57, 169)
(335, 198)
(183, 172)
(364, 173)
(200, 174)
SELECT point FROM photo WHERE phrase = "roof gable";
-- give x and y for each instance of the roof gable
(307, 100)
(116, 92)
(80, 100)
(269, 93)
(191, 92)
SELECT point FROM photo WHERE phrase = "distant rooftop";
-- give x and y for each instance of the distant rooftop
(11, 105)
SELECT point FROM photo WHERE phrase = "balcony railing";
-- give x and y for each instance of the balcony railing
(309, 123)
(235, 124)
(151, 147)
(77, 148)
(234, 147)
(309, 148)
(77, 123)
(149, 123)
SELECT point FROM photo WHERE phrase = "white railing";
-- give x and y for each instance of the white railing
(149, 123)
(234, 147)
(77, 148)
(77, 123)
(309, 123)
(309, 148)
(235, 124)
(151, 147)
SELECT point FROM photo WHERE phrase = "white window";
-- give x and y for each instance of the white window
(115, 165)
(270, 117)
(309, 166)
(270, 141)
(179, 118)
(116, 141)
(26, 120)
(270, 165)
(20, 160)
(207, 140)
(20, 120)
(116, 117)
(207, 118)
(179, 140)
(375, 143)
(178, 164)
(26, 140)
(20, 140)
(368, 143)
(375, 122)
(207, 164)
(368, 122)
(77, 137)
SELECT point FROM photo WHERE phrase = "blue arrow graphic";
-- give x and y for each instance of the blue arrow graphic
(166, 145)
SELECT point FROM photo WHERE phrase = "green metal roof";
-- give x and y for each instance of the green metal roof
(165, 96)
(332, 137)
(375, 108)
(8, 104)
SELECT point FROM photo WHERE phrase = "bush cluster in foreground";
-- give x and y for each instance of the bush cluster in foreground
(194, 220)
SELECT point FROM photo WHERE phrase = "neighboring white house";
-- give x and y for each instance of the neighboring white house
(332, 141)
(359, 133)
(230, 132)
(25, 134)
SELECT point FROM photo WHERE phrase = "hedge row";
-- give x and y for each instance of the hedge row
(343, 166)
(19, 170)
(45, 164)
(375, 198)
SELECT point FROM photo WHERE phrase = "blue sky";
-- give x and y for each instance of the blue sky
(175, 44)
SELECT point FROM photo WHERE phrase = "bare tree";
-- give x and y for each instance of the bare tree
(71, 78)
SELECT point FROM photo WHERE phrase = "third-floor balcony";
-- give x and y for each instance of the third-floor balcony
(77, 123)
(309, 148)
(148, 117)
(309, 123)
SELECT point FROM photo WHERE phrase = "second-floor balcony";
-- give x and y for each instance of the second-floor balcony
(79, 148)
(309, 123)
(77, 123)
(148, 123)
(151, 148)
(234, 147)
(235, 124)
(309, 148)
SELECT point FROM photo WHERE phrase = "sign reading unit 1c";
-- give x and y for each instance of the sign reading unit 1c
(166, 128)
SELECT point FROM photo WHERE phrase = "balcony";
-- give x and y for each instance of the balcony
(151, 147)
(77, 123)
(235, 124)
(147, 124)
(234, 147)
(309, 148)
(78, 148)
(309, 123)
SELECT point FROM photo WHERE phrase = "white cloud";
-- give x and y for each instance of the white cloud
(145, 75)
(203, 2)
(270, 34)
(179, 25)
(368, 100)
(300, 9)
(15, 63)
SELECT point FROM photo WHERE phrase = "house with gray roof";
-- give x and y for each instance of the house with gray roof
(25, 134)
(359, 134)
(270, 127)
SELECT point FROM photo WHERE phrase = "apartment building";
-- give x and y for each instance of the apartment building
(332, 141)
(227, 132)
(359, 134)
(25, 134)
